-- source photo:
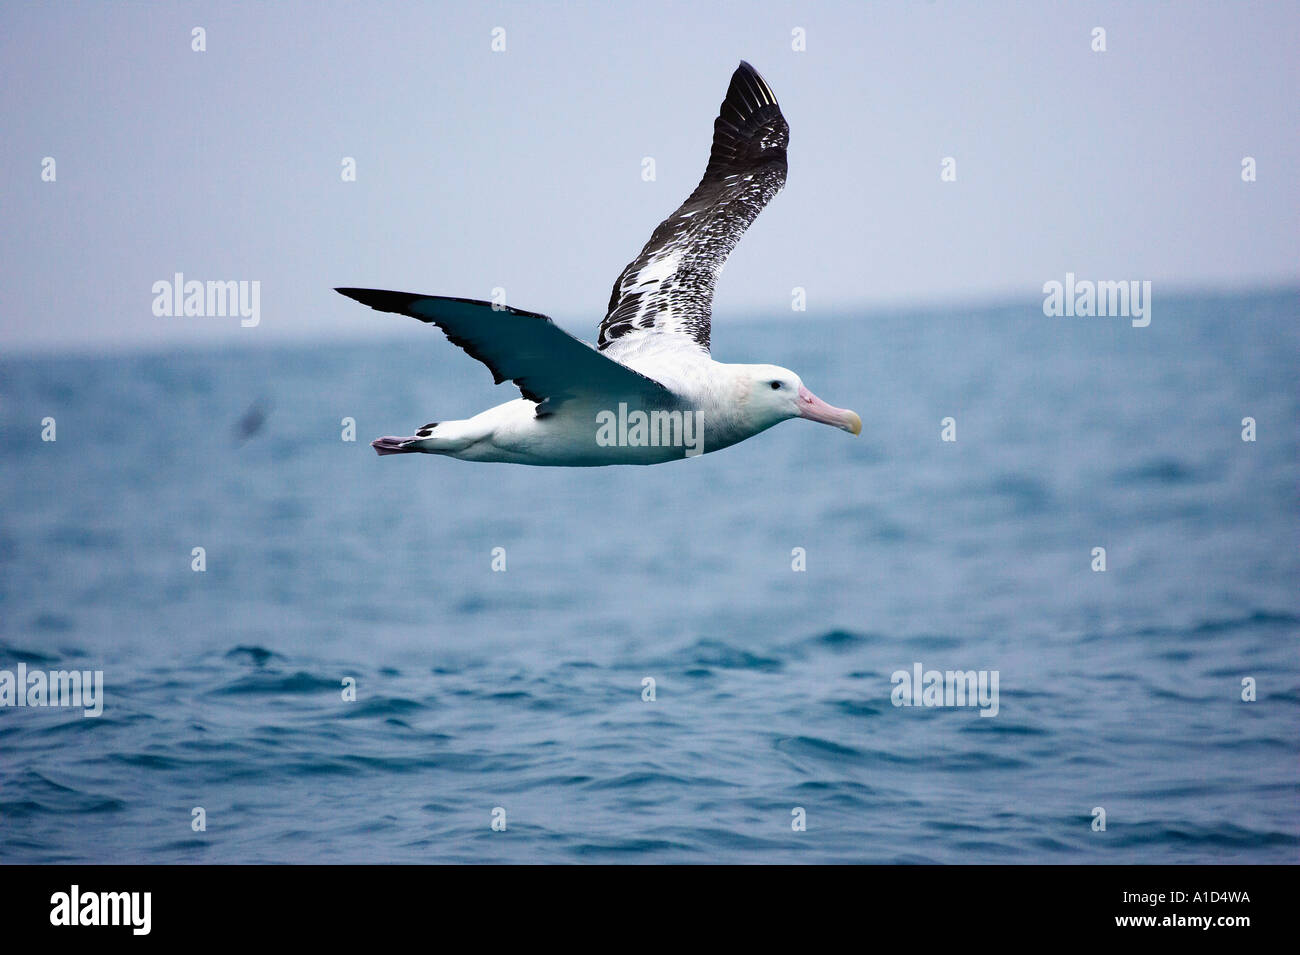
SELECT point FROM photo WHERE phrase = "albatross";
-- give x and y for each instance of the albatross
(649, 391)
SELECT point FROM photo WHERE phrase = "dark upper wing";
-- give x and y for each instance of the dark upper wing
(668, 288)
(546, 362)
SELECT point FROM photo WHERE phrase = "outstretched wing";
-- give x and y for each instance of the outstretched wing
(668, 288)
(547, 363)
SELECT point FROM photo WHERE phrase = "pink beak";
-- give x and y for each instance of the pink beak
(814, 409)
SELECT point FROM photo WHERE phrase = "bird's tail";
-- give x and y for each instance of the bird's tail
(446, 437)
(391, 445)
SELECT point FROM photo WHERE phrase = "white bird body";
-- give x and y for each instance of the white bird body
(718, 395)
(650, 392)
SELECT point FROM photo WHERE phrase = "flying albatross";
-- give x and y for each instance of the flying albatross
(649, 391)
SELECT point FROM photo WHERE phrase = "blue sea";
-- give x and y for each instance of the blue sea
(519, 694)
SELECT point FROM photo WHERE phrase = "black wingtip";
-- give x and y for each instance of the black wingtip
(748, 84)
(381, 299)
(749, 126)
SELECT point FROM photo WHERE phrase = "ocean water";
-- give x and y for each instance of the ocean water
(522, 690)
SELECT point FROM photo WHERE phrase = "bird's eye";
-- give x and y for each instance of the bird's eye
(776, 385)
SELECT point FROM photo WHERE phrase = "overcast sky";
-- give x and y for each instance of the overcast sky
(522, 169)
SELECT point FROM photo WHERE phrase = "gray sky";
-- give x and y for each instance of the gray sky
(522, 169)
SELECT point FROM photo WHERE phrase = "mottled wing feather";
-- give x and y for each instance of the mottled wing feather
(547, 363)
(668, 288)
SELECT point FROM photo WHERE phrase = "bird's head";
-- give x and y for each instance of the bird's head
(776, 394)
